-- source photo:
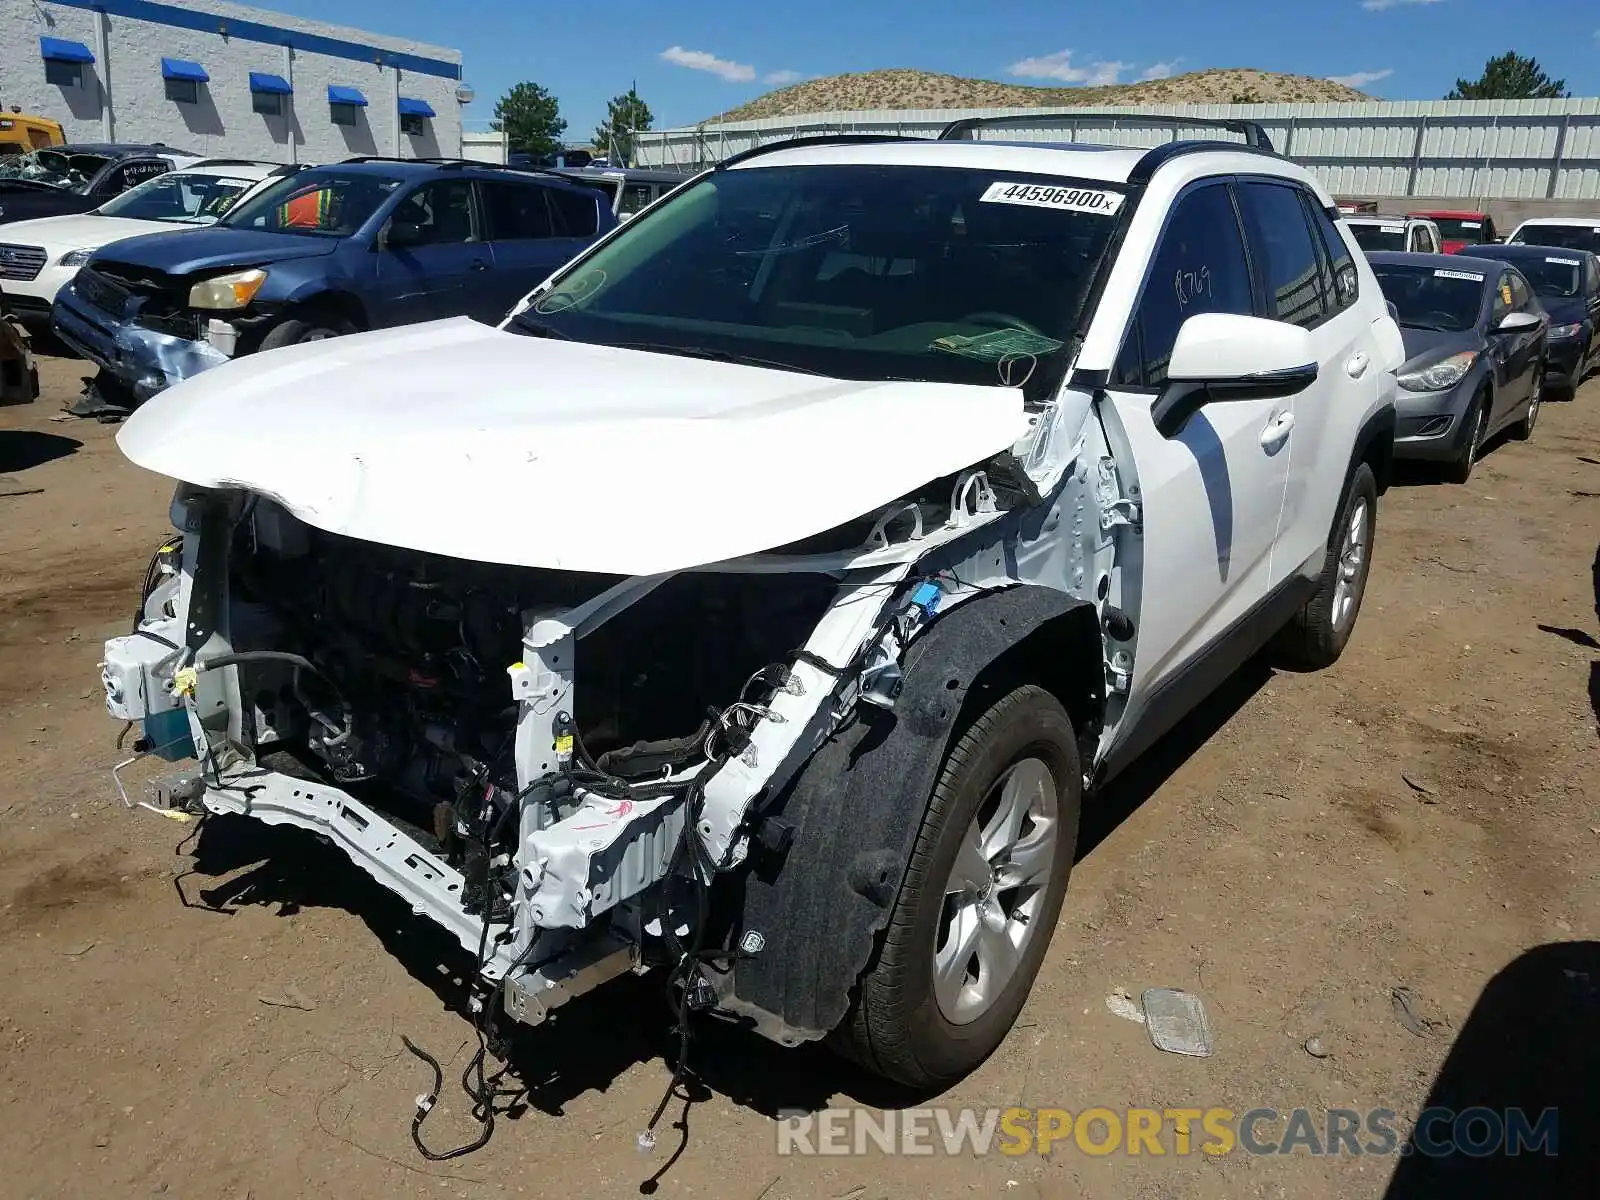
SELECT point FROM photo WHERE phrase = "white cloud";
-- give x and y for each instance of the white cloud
(702, 60)
(1059, 66)
(1380, 5)
(1361, 78)
(1160, 70)
(779, 78)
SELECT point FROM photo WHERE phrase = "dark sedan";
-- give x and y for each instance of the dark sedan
(1475, 354)
(1567, 283)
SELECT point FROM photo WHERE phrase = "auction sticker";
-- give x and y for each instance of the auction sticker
(1564, 262)
(1443, 274)
(1043, 195)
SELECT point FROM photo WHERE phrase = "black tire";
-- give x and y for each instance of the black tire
(292, 332)
(1460, 470)
(1523, 429)
(1319, 632)
(896, 1027)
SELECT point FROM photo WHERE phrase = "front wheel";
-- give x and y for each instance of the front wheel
(980, 898)
(294, 332)
(1460, 470)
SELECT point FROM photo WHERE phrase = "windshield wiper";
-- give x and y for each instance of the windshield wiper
(727, 356)
(1430, 326)
(524, 320)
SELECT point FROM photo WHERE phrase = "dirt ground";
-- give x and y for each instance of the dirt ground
(1425, 814)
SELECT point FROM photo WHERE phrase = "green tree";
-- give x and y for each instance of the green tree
(1511, 77)
(530, 118)
(626, 115)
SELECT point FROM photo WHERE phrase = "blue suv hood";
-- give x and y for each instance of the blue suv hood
(196, 251)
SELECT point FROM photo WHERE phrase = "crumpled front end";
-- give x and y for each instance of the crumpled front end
(552, 765)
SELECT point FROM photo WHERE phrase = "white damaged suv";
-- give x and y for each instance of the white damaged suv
(763, 599)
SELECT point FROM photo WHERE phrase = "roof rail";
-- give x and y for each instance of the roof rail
(825, 139)
(1160, 155)
(1254, 134)
(230, 162)
(457, 164)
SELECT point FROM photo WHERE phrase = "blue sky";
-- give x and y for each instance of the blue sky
(694, 60)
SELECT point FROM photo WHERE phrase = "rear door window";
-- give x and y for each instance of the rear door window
(516, 211)
(1287, 262)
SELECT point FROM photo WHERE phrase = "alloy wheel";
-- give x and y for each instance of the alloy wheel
(996, 885)
(1352, 561)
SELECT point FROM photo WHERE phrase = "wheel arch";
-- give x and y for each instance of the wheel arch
(849, 819)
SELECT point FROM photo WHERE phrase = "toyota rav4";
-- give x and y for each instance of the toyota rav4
(763, 599)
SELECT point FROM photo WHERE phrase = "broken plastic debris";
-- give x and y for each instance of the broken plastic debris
(646, 1141)
(1123, 1005)
(1177, 1022)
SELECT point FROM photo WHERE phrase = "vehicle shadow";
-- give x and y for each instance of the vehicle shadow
(1530, 1045)
(21, 449)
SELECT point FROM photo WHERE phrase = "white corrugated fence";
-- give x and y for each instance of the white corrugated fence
(1492, 149)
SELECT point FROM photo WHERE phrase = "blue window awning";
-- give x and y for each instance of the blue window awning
(416, 108)
(61, 50)
(182, 68)
(346, 95)
(270, 85)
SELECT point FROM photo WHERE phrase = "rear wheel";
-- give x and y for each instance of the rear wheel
(1318, 634)
(980, 898)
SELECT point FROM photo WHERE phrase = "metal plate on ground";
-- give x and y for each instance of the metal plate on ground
(1177, 1022)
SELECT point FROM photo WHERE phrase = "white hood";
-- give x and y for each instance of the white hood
(79, 231)
(459, 439)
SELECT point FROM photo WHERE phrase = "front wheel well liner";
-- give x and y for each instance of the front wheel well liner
(857, 805)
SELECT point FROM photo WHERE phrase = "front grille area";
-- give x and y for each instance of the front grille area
(21, 262)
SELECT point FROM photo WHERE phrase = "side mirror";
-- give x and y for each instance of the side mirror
(401, 234)
(1220, 357)
(1518, 322)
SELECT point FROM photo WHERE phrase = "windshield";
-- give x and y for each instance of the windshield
(1430, 297)
(858, 272)
(184, 197)
(1379, 237)
(324, 202)
(1554, 275)
(1568, 237)
(1460, 229)
(57, 168)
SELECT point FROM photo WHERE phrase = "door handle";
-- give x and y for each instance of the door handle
(1356, 367)
(479, 265)
(1277, 429)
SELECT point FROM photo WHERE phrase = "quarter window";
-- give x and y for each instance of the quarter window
(1287, 262)
(1199, 267)
(1341, 263)
(574, 212)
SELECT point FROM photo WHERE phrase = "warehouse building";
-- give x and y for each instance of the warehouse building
(218, 78)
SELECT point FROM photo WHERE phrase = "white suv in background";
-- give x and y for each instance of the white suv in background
(762, 597)
(38, 256)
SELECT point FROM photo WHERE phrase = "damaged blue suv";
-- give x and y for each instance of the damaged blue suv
(368, 243)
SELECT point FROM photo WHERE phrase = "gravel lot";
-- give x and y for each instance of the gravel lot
(1424, 815)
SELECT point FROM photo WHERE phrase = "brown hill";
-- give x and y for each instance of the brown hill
(925, 89)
